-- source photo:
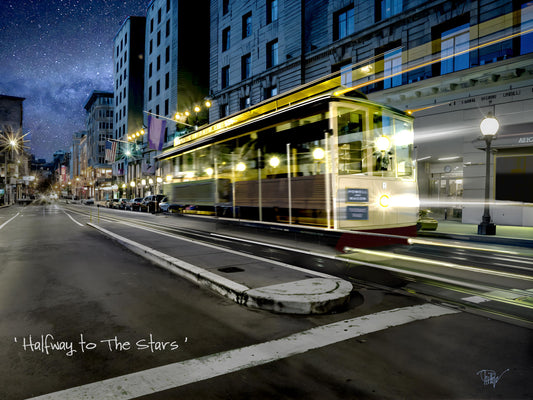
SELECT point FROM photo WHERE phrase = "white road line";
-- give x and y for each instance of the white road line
(182, 373)
(72, 218)
(9, 220)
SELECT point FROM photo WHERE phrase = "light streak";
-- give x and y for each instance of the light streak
(421, 260)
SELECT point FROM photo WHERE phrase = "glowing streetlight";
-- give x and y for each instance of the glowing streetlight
(489, 127)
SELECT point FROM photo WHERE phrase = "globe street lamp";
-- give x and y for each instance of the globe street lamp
(489, 127)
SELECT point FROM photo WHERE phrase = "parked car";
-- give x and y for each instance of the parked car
(151, 203)
(135, 204)
(121, 204)
(164, 204)
(88, 202)
(111, 203)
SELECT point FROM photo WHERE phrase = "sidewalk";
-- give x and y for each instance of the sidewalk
(505, 234)
(248, 280)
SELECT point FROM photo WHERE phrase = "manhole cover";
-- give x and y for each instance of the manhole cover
(229, 270)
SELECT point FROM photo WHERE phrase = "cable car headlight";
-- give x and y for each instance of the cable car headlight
(384, 201)
(240, 167)
(318, 153)
(274, 162)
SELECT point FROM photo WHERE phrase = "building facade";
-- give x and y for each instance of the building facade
(99, 126)
(450, 62)
(11, 119)
(128, 74)
(175, 75)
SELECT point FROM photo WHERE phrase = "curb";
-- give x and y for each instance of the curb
(309, 296)
(506, 241)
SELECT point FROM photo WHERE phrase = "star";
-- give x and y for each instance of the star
(61, 50)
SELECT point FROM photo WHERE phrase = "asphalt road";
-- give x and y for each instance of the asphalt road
(60, 278)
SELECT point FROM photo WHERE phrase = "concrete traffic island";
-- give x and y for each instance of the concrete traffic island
(309, 296)
(317, 295)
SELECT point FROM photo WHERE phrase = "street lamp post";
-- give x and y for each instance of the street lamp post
(489, 127)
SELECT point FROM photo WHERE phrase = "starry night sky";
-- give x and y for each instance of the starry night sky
(55, 53)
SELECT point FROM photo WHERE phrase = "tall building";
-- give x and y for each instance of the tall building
(176, 69)
(128, 73)
(450, 62)
(99, 126)
(11, 120)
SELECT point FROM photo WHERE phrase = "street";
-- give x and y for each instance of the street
(77, 309)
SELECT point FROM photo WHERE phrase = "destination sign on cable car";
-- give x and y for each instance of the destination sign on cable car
(357, 213)
(356, 195)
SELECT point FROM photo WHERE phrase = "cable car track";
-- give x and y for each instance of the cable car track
(504, 303)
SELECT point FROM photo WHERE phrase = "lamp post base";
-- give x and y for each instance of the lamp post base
(486, 228)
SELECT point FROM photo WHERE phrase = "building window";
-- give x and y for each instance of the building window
(150, 93)
(166, 107)
(346, 75)
(151, 25)
(246, 66)
(158, 61)
(526, 23)
(271, 92)
(247, 25)
(224, 110)
(168, 28)
(245, 102)
(167, 80)
(225, 7)
(159, 16)
(151, 46)
(158, 88)
(344, 23)
(226, 34)
(453, 41)
(392, 65)
(158, 38)
(150, 70)
(126, 38)
(272, 53)
(272, 11)
(387, 8)
(225, 77)
(167, 54)
(168, 5)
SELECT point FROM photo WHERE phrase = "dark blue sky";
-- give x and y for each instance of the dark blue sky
(55, 53)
